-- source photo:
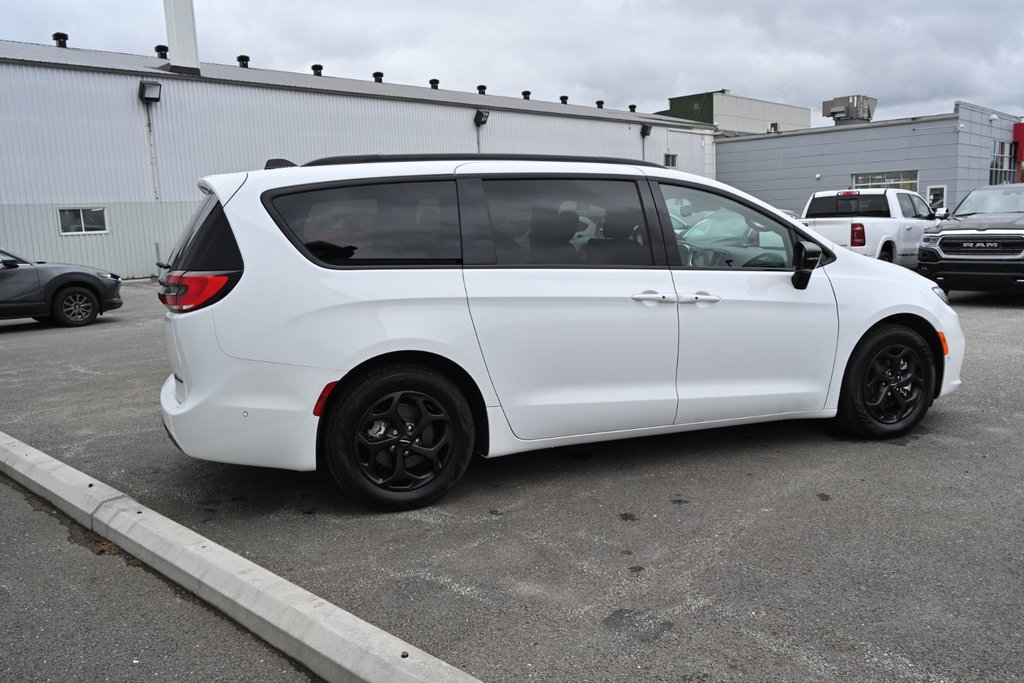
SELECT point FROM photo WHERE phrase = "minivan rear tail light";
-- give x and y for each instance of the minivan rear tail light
(857, 238)
(182, 292)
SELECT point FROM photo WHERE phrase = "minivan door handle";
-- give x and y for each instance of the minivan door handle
(656, 297)
(700, 298)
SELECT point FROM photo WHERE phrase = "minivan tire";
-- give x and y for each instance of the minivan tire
(888, 385)
(399, 438)
(74, 307)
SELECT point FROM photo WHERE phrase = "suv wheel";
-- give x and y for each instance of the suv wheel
(888, 385)
(886, 254)
(401, 437)
(75, 306)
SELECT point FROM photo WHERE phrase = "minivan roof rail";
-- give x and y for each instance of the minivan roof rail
(471, 156)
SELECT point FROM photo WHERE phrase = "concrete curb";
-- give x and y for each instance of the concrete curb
(328, 640)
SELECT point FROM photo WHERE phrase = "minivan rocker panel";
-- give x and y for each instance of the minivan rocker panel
(587, 302)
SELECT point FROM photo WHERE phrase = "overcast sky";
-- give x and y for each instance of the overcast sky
(917, 58)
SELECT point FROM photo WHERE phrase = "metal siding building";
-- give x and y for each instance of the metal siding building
(76, 137)
(951, 151)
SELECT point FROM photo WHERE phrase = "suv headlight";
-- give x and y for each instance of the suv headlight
(929, 240)
(942, 295)
(108, 276)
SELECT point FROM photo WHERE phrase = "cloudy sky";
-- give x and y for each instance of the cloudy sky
(916, 57)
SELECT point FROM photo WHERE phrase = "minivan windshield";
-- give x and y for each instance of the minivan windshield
(1009, 199)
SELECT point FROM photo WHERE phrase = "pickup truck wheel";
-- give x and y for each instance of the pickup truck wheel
(401, 437)
(888, 385)
(886, 254)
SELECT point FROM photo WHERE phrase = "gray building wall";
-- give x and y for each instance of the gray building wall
(951, 150)
(75, 136)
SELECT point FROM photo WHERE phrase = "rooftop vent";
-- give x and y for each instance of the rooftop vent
(526, 94)
(849, 109)
(564, 99)
(318, 69)
(378, 76)
(481, 89)
(60, 39)
(243, 61)
(161, 51)
(434, 83)
(600, 104)
(632, 108)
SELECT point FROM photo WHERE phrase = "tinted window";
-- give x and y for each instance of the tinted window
(208, 243)
(382, 223)
(713, 231)
(567, 222)
(876, 205)
(906, 205)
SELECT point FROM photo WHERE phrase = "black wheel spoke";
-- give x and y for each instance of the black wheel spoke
(403, 440)
(893, 383)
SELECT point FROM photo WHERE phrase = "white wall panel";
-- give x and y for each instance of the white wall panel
(76, 137)
(129, 247)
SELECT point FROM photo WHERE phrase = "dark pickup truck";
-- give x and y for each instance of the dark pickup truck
(980, 246)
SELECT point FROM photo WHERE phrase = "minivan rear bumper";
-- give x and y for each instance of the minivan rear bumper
(247, 415)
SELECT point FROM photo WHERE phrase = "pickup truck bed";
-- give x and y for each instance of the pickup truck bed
(885, 224)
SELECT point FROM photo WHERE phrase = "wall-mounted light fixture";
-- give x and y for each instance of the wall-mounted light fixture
(149, 91)
(645, 130)
(481, 117)
(993, 117)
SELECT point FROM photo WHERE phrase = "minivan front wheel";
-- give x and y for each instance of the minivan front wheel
(400, 438)
(888, 385)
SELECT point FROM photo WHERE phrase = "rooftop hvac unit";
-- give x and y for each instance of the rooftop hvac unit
(849, 109)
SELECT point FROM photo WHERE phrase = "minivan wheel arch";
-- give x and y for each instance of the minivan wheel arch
(440, 364)
(927, 332)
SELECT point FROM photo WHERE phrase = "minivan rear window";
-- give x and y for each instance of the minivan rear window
(385, 223)
(836, 206)
(208, 243)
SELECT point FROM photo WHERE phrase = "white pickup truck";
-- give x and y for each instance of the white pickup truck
(883, 224)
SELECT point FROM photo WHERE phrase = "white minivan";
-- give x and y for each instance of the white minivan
(388, 317)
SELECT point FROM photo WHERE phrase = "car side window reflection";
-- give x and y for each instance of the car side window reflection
(712, 231)
(567, 222)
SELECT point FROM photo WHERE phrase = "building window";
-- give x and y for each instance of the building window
(894, 180)
(670, 160)
(80, 221)
(936, 196)
(1002, 169)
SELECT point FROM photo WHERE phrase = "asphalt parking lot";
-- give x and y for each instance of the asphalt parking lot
(773, 552)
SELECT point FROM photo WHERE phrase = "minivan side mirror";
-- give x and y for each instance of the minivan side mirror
(806, 256)
(10, 263)
(942, 213)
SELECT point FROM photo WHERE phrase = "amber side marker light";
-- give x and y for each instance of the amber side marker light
(945, 345)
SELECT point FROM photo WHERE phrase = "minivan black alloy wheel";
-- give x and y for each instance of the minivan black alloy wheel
(399, 437)
(893, 384)
(403, 441)
(889, 383)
